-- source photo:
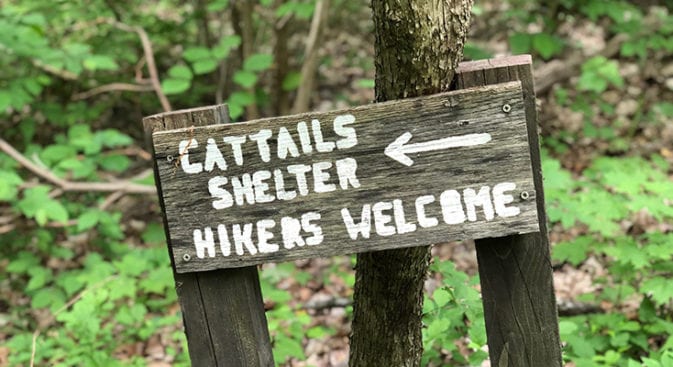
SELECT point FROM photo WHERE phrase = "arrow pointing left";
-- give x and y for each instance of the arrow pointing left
(399, 148)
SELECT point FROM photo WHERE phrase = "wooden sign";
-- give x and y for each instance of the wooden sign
(397, 174)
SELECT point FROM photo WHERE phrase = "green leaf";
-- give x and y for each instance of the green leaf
(520, 43)
(113, 138)
(80, 168)
(80, 136)
(437, 328)
(258, 62)
(133, 264)
(88, 219)
(217, 5)
(38, 278)
(244, 78)
(22, 263)
(33, 198)
(204, 66)
(193, 54)
(285, 347)
(48, 297)
(366, 83)
(291, 81)
(175, 86)
(567, 328)
(302, 10)
(70, 282)
(575, 251)
(56, 153)
(472, 51)
(547, 45)
(55, 211)
(442, 297)
(5, 100)
(100, 62)
(114, 162)
(9, 185)
(226, 44)
(180, 72)
(154, 233)
(242, 98)
(659, 289)
(580, 346)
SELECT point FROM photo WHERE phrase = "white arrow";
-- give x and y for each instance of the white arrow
(398, 151)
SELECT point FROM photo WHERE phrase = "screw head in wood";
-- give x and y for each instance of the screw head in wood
(169, 158)
(525, 195)
(506, 108)
(186, 257)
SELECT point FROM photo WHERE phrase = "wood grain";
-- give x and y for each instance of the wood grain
(222, 310)
(515, 271)
(506, 158)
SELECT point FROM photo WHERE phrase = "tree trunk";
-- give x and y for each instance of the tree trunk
(418, 46)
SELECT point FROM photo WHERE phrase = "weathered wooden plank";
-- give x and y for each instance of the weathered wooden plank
(222, 310)
(515, 271)
(210, 228)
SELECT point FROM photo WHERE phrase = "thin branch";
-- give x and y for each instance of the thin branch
(61, 73)
(151, 64)
(112, 87)
(125, 186)
(310, 66)
(110, 199)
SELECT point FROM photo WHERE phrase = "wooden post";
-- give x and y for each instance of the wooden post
(515, 271)
(222, 310)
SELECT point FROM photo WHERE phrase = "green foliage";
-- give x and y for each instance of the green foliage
(128, 294)
(453, 314)
(613, 191)
(598, 73)
(544, 44)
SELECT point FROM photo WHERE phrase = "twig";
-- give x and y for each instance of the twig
(113, 87)
(63, 74)
(574, 308)
(125, 186)
(67, 305)
(110, 199)
(310, 66)
(134, 151)
(151, 64)
(332, 302)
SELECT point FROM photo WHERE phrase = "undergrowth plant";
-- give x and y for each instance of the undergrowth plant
(639, 261)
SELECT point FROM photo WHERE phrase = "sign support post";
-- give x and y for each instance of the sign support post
(515, 271)
(222, 310)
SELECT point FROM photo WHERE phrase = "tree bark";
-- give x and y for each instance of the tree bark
(418, 46)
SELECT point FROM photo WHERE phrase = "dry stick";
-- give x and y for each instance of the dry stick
(310, 66)
(151, 65)
(68, 304)
(125, 186)
(61, 73)
(112, 87)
